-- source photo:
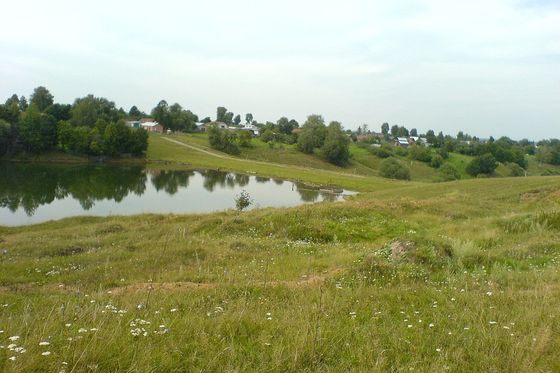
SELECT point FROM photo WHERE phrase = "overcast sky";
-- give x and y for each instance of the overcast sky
(487, 67)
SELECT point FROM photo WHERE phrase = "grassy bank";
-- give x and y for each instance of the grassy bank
(459, 276)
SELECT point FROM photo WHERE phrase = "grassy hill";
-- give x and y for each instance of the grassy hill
(459, 276)
(363, 162)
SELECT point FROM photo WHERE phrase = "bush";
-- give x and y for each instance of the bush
(336, 146)
(223, 140)
(419, 153)
(385, 151)
(391, 168)
(515, 170)
(399, 150)
(482, 165)
(448, 172)
(437, 161)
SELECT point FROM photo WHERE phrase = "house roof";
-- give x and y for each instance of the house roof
(402, 140)
(150, 124)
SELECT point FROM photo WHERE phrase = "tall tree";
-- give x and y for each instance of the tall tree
(87, 110)
(228, 118)
(161, 114)
(312, 134)
(41, 98)
(237, 120)
(221, 114)
(37, 130)
(134, 112)
(248, 118)
(336, 146)
(414, 132)
(385, 128)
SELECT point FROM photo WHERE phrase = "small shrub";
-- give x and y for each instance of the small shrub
(243, 201)
(515, 170)
(384, 151)
(391, 168)
(436, 161)
(448, 172)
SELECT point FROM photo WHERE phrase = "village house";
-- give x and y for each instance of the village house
(203, 127)
(402, 142)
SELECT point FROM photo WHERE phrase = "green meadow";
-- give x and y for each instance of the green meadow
(417, 276)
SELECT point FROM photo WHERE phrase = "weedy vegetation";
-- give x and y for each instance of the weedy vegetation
(406, 276)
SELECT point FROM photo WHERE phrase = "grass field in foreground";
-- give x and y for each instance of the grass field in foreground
(458, 277)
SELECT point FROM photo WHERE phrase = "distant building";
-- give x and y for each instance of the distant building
(152, 127)
(402, 141)
(203, 127)
(133, 123)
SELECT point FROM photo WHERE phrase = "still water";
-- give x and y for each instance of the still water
(32, 193)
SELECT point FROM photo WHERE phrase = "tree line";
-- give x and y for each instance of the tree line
(90, 126)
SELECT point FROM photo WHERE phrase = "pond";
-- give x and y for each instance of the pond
(34, 193)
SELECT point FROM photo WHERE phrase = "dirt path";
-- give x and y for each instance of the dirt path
(256, 162)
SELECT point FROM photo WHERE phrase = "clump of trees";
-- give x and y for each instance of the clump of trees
(90, 126)
(482, 165)
(331, 141)
(226, 141)
(174, 117)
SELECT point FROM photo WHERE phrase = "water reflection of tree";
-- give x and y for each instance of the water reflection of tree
(170, 181)
(307, 194)
(242, 179)
(213, 178)
(29, 186)
(261, 179)
(329, 196)
(278, 181)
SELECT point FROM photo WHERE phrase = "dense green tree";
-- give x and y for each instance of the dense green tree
(312, 134)
(37, 130)
(484, 164)
(161, 114)
(228, 118)
(5, 137)
(221, 114)
(385, 128)
(286, 126)
(248, 118)
(135, 113)
(223, 140)
(237, 120)
(336, 146)
(41, 98)
(179, 119)
(87, 110)
(245, 138)
(14, 99)
(138, 141)
(206, 120)
(10, 112)
(431, 137)
(414, 132)
(268, 135)
(60, 111)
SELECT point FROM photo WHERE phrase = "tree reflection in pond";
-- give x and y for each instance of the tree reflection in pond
(31, 193)
(31, 185)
